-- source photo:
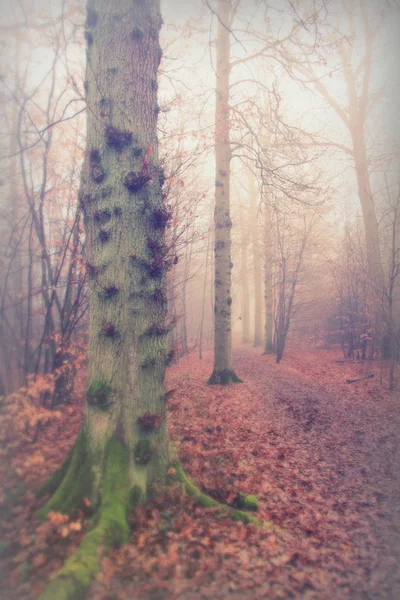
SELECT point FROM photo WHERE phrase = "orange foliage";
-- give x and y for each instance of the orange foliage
(22, 412)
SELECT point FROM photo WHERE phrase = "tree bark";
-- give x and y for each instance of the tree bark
(223, 372)
(367, 207)
(122, 448)
(268, 295)
(203, 302)
(257, 270)
(245, 314)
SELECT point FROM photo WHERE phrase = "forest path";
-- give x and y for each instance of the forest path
(322, 456)
(348, 435)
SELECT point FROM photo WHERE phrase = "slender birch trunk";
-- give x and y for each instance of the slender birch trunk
(245, 314)
(203, 303)
(257, 270)
(223, 372)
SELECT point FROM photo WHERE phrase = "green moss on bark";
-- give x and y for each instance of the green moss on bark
(111, 527)
(99, 394)
(75, 484)
(240, 515)
(206, 501)
(247, 502)
(143, 451)
(193, 491)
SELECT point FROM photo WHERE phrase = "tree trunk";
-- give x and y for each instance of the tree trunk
(368, 209)
(171, 301)
(355, 119)
(223, 372)
(13, 321)
(203, 302)
(186, 271)
(257, 270)
(245, 286)
(122, 448)
(268, 296)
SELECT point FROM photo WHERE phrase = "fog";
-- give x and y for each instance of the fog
(199, 299)
(313, 137)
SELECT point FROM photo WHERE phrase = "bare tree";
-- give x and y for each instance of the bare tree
(223, 372)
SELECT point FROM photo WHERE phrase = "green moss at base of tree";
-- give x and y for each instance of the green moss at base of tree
(224, 377)
(240, 515)
(193, 491)
(73, 479)
(110, 527)
(247, 502)
(206, 501)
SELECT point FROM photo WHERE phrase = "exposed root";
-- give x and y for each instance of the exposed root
(110, 527)
(247, 502)
(110, 523)
(206, 501)
(52, 483)
(70, 483)
(224, 377)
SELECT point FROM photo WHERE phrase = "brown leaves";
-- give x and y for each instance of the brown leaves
(62, 525)
(38, 560)
(56, 518)
(315, 481)
(22, 412)
(32, 549)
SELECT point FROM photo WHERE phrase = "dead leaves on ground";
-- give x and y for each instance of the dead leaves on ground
(293, 434)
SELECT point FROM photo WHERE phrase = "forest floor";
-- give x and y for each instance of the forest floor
(322, 455)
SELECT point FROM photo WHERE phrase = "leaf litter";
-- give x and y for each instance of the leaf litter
(321, 455)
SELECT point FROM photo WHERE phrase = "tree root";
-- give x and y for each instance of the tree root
(225, 377)
(110, 526)
(70, 483)
(206, 501)
(247, 502)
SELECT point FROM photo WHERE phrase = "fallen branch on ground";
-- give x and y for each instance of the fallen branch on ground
(370, 376)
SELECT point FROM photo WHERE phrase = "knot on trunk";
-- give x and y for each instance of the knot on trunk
(99, 395)
(118, 139)
(143, 451)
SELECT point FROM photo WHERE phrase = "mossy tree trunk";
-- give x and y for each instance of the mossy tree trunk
(122, 448)
(223, 372)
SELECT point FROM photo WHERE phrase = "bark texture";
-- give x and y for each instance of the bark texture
(223, 372)
(245, 314)
(257, 269)
(122, 448)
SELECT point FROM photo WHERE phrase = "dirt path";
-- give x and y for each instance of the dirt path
(344, 439)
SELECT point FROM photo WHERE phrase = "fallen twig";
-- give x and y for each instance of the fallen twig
(370, 376)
